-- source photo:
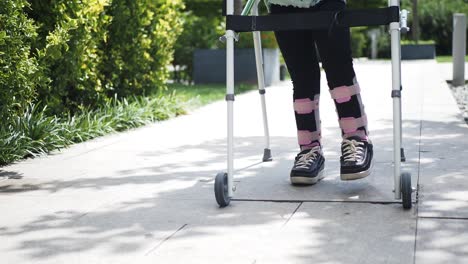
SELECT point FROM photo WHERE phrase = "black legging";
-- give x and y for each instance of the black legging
(298, 49)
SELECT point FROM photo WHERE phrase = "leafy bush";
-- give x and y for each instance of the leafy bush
(19, 72)
(94, 49)
(70, 53)
(140, 45)
(30, 134)
(436, 19)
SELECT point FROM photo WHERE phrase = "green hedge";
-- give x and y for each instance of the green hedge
(436, 21)
(92, 50)
(19, 71)
(70, 52)
(140, 44)
(85, 63)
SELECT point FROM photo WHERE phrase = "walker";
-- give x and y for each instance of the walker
(397, 20)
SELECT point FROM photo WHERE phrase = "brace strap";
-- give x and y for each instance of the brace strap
(305, 106)
(360, 133)
(306, 137)
(344, 93)
(351, 124)
(315, 20)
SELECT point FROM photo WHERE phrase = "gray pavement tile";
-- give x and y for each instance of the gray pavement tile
(270, 181)
(317, 233)
(116, 199)
(443, 168)
(126, 230)
(382, 139)
(27, 221)
(442, 241)
(443, 185)
(31, 186)
(42, 168)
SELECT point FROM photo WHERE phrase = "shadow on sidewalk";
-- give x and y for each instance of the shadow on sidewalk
(137, 209)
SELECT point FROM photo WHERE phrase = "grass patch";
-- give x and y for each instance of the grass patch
(447, 58)
(420, 42)
(199, 95)
(35, 133)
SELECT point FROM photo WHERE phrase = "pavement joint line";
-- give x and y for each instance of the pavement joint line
(165, 240)
(249, 166)
(416, 212)
(418, 186)
(315, 201)
(93, 149)
(443, 217)
(291, 216)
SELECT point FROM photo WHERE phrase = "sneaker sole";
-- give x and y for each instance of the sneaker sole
(357, 175)
(298, 180)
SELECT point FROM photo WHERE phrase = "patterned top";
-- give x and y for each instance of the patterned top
(296, 3)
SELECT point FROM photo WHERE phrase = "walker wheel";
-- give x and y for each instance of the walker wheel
(221, 189)
(406, 190)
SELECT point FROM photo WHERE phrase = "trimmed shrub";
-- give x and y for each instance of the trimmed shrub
(140, 45)
(19, 72)
(70, 52)
(436, 22)
(94, 49)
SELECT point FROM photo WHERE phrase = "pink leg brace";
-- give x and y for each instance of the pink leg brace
(307, 138)
(350, 125)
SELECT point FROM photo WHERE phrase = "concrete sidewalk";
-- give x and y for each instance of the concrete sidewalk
(146, 196)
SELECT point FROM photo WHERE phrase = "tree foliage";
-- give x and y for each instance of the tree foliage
(19, 71)
(91, 50)
(70, 51)
(140, 44)
(436, 19)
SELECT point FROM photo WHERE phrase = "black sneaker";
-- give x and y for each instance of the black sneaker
(308, 167)
(356, 158)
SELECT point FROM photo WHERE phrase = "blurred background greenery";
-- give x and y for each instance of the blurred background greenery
(76, 69)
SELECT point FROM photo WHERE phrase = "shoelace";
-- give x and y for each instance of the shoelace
(352, 149)
(306, 159)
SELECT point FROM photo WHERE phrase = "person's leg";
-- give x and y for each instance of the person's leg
(335, 52)
(298, 49)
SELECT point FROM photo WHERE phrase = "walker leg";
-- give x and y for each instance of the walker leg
(230, 108)
(261, 85)
(224, 186)
(402, 150)
(396, 95)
